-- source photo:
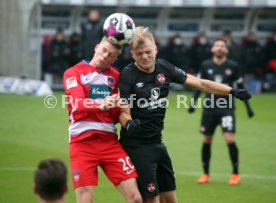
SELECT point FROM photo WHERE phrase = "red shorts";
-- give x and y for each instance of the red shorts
(86, 155)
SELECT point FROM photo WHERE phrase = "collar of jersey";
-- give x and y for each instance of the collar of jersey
(137, 69)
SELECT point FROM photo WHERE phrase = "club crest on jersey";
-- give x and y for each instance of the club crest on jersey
(76, 176)
(228, 71)
(111, 82)
(161, 78)
(151, 187)
(71, 82)
(202, 129)
(140, 84)
(155, 93)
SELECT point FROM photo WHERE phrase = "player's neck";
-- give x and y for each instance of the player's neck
(218, 60)
(145, 70)
(91, 63)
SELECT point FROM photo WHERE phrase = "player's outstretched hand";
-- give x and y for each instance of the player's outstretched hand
(241, 94)
(132, 126)
(191, 109)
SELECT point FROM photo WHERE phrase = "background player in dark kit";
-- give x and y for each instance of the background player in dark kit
(222, 70)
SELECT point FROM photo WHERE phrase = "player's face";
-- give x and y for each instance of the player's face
(219, 49)
(105, 54)
(145, 55)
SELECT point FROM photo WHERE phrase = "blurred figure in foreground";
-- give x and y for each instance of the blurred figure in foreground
(91, 34)
(50, 181)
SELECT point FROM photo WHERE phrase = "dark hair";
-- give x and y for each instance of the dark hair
(219, 39)
(51, 179)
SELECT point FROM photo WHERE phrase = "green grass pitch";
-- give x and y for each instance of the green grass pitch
(30, 132)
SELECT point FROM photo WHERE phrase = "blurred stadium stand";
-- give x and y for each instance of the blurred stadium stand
(165, 18)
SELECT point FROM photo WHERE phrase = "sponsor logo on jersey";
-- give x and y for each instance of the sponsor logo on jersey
(155, 93)
(71, 82)
(161, 78)
(99, 91)
(151, 187)
(155, 104)
(111, 82)
(228, 71)
(76, 176)
(140, 84)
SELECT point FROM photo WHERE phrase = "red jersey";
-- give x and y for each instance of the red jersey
(86, 88)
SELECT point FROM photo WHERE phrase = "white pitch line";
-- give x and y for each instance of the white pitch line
(249, 176)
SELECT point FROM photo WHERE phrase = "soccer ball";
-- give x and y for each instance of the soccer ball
(119, 28)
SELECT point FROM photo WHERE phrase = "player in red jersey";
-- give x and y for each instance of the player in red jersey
(92, 90)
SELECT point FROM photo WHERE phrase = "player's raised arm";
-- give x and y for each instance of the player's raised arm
(216, 88)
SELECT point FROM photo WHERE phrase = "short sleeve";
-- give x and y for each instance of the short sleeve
(177, 75)
(72, 84)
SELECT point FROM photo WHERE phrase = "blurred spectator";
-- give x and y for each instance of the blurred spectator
(59, 54)
(176, 52)
(45, 54)
(74, 43)
(270, 52)
(252, 56)
(158, 45)
(91, 34)
(50, 181)
(199, 51)
(233, 47)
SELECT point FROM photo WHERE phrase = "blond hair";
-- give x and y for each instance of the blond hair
(140, 35)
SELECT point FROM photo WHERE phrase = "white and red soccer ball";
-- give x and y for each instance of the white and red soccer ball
(119, 28)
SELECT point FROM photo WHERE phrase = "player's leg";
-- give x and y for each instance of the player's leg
(206, 152)
(228, 125)
(166, 178)
(120, 171)
(233, 151)
(234, 157)
(84, 162)
(168, 197)
(130, 191)
(84, 194)
(208, 126)
(145, 160)
(155, 199)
